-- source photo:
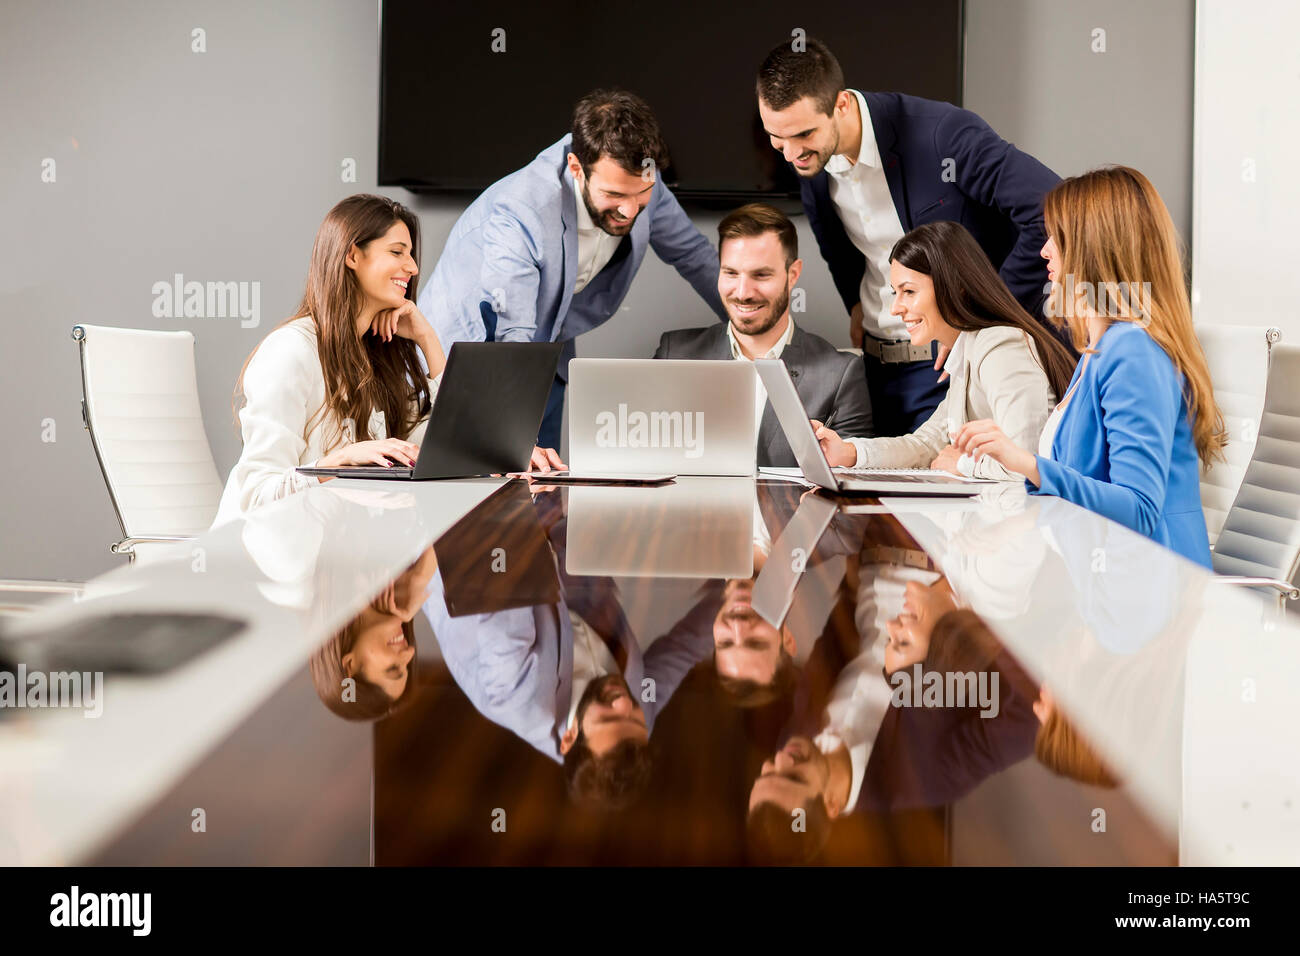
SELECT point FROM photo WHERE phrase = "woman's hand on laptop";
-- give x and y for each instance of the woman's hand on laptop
(383, 452)
(838, 452)
(546, 459)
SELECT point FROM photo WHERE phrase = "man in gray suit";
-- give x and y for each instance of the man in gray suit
(759, 255)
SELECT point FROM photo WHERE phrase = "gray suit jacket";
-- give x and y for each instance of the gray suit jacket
(831, 383)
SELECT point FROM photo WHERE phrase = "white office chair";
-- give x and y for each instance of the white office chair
(141, 407)
(1259, 545)
(1238, 358)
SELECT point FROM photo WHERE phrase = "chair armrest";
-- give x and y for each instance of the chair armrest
(127, 545)
(1289, 591)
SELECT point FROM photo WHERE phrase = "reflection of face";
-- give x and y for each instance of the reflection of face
(381, 653)
(612, 717)
(1044, 705)
(806, 137)
(795, 777)
(384, 267)
(907, 645)
(914, 302)
(613, 196)
(754, 282)
(745, 646)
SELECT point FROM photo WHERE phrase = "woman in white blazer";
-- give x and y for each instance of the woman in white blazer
(1002, 365)
(351, 378)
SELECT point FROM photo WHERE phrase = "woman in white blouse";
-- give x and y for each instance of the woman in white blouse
(1002, 365)
(351, 378)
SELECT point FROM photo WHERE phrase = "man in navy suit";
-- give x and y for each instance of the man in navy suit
(873, 166)
(550, 251)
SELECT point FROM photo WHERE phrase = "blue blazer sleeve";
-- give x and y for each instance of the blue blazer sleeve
(1140, 397)
(994, 172)
(511, 272)
(677, 242)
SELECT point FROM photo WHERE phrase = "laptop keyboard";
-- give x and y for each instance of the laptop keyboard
(875, 472)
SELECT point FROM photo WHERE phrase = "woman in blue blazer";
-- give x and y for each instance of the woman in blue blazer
(1139, 419)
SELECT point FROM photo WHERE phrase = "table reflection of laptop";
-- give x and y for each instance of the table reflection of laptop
(651, 419)
(903, 482)
(696, 528)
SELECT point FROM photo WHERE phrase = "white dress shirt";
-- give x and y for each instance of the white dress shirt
(860, 192)
(283, 423)
(591, 659)
(595, 246)
(760, 393)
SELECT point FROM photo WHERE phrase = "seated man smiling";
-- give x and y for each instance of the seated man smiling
(760, 264)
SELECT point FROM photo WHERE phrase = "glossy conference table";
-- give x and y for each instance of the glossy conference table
(1143, 714)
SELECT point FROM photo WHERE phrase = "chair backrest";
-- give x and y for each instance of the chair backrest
(1261, 535)
(141, 407)
(1238, 360)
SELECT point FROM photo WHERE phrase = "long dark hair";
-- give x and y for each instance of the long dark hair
(971, 296)
(362, 373)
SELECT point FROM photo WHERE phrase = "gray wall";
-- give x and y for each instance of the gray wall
(220, 165)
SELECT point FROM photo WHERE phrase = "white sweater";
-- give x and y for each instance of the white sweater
(282, 422)
(997, 376)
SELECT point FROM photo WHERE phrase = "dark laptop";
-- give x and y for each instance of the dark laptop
(485, 418)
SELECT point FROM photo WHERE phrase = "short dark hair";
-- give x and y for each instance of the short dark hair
(612, 781)
(756, 219)
(620, 125)
(771, 838)
(788, 75)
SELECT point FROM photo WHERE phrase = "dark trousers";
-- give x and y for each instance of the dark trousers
(903, 395)
(549, 434)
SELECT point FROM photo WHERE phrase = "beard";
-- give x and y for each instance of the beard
(761, 321)
(823, 157)
(605, 219)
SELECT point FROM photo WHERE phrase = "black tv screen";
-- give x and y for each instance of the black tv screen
(470, 92)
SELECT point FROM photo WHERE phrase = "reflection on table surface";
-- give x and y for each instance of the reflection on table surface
(840, 696)
(721, 671)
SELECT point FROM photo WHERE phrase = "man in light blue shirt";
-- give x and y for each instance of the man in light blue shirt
(550, 251)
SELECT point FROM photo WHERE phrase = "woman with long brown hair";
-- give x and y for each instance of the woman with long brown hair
(347, 379)
(1003, 365)
(1139, 417)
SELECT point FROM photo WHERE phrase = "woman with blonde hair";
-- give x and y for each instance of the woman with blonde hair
(1139, 418)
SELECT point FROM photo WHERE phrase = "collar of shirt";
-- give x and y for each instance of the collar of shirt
(957, 354)
(868, 151)
(775, 352)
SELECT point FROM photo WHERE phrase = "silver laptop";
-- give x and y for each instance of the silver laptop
(901, 482)
(661, 417)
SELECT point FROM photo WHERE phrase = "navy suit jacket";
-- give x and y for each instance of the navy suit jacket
(945, 163)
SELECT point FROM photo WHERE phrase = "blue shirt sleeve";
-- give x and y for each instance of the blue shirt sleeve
(1140, 398)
